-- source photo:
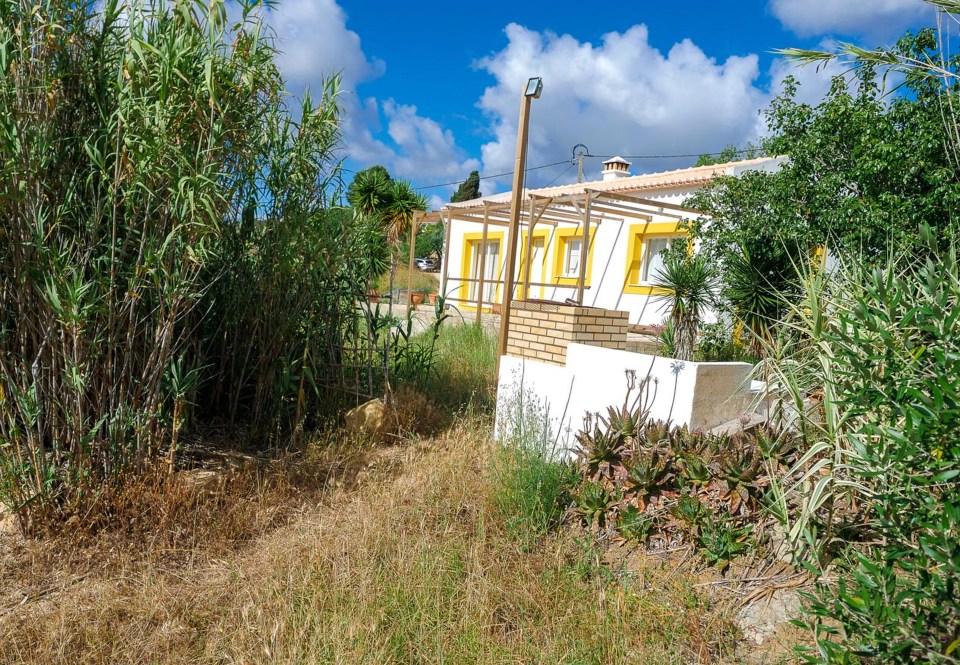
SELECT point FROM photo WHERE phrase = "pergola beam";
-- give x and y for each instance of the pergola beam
(630, 198)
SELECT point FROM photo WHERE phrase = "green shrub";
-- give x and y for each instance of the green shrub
(168, 253)
(891, 342)
(717, 343)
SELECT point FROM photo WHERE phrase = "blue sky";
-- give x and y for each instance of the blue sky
(431, 89)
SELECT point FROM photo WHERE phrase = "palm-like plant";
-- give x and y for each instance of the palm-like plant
(690, 281)
(371, 190)
(403, 202)
(754, 288)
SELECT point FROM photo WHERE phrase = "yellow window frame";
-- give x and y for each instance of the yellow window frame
(562, 237)
(638, 235)
(469, 240)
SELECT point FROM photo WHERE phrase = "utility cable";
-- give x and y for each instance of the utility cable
(574, 161)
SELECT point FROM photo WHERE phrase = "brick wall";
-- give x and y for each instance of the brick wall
(542, 330)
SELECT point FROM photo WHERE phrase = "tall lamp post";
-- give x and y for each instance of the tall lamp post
(530, 92)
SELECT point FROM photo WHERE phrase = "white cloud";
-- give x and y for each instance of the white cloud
(315, 43)
(425, 149)
(876, 19)
(621, 96)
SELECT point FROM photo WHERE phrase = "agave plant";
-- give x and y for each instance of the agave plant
(646, 474)
(600, 451)
(740, 466)
(593, 503)
(634, 525)
(721, 541)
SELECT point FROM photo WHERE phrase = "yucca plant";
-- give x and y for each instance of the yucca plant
(690, 282)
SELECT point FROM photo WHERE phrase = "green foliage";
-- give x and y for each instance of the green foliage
(390, 203)
(167, 252)
(635, 525)
(730, 153)
(369, 191)
(531, 486)
(468, 190)
(888, 339)
(862, 169)
(466, 363)
(654, 482)
(430, 240)
(720, 542)
(717, 343)
(667, 339)
(414, 357)
(690, 280)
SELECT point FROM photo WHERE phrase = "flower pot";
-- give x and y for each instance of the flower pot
(495, 308)
(373, 297)
(416, 298)
(433, 298)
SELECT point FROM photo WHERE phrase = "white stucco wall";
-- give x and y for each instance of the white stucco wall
(699, 395)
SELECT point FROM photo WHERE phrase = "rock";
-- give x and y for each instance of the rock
(8, 522)
(201, 481)
(370, 418)
(745, 422)
(760, 619)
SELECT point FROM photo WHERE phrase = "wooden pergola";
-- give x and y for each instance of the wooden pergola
(582, 209)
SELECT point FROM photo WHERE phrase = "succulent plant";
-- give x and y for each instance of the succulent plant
(646, 473)
(593, 502)
(635, 525)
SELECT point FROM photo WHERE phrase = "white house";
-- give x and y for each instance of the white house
(622, 221)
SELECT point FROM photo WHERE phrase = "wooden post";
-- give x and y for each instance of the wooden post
(519, 166)
(446, 255)
(417, 216)
(483, 261)
(584, 251)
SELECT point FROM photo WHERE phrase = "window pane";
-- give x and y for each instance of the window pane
(492, 270)
(652, 259)
(571, 265)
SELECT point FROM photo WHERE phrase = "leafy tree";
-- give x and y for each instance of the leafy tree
(430, 241)
(861, 171)
(369, 191)
(389, 205)
(730, 153)
(469, 189)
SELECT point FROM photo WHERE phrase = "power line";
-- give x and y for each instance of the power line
(559, 175)
(496, 175)
(739, 151)
(697, 154)
(587, 154)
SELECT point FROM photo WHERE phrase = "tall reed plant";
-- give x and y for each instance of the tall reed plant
(872, 378)
(166, 241)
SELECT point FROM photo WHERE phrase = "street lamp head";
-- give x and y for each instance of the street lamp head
(534, 87)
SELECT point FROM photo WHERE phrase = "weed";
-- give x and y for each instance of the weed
(531, 485)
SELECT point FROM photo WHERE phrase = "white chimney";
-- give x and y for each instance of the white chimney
(615, 168)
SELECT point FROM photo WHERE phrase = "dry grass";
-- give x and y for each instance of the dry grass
(411, 565)
(422, 281)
